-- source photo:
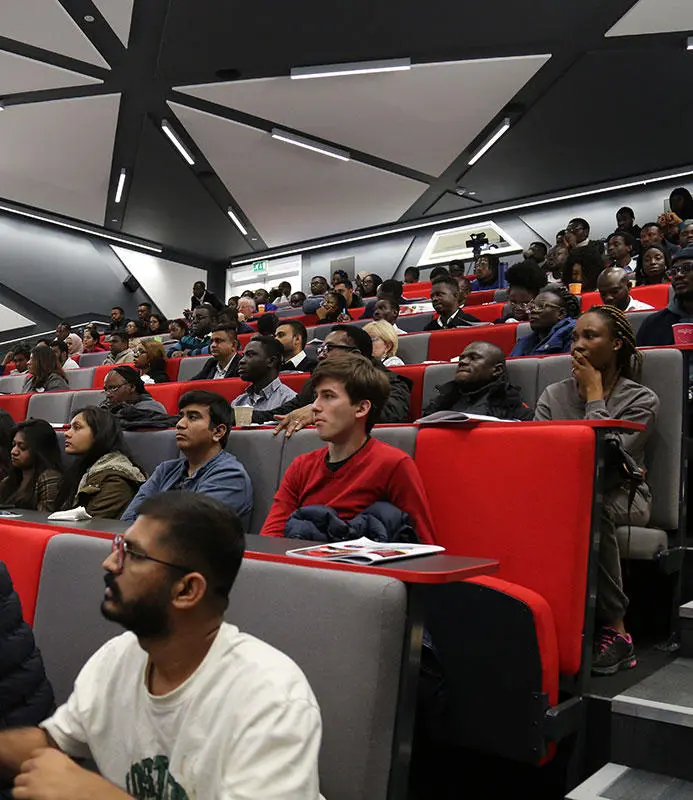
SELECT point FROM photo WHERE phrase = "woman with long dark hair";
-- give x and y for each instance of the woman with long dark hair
(103, 478)
(36, 469)
(45, 373)
(604, 385)
(158, 324)
(92, 341)
(150, 360)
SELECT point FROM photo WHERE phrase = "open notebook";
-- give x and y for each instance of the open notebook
(365, 551)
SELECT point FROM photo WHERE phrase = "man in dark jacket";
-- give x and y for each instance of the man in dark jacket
(225, 356)
(200, 295)
(445, 296)
(657, 329)
(481, 386)
(27, 697)
(298, 413)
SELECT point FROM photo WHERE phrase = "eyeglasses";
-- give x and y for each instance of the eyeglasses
(121, 548)
(522, 305)
(682, 268)
(111, 389)
(542, 307)
(328, 347)
(140, 351)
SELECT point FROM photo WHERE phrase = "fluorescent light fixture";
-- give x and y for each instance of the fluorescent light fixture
(180, 147)
(689, 43)
(154, 248)
(489, 144)
(489, 212)
(353, 68)
(120, 187)
(309, 144)
(241, 227)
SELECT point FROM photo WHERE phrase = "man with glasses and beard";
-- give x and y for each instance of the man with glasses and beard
(657, 329)
(183, 705)
(298, 412)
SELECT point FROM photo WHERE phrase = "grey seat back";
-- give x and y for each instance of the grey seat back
(80, 378)
(636, 319)
(522, 330)
(350, 652)
(189, 367)
(260, 453)
(414, 323)
(435, 375)
(500, 295)
(92, 359)
(51, 406)
(551, 370)
(662, 372)
(413, 349)
(12, 384)
(523, 373)
(151, 448)
(84, 399)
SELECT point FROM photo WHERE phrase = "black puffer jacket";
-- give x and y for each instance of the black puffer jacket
(26, 696)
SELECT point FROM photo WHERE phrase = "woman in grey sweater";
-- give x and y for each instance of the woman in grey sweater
(45, 374)
(605, 364)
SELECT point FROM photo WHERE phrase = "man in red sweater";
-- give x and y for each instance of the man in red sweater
(353, 471)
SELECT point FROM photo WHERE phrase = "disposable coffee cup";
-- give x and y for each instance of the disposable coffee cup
(261, 308)
(683, 333)
(243, 414)
(575, 288)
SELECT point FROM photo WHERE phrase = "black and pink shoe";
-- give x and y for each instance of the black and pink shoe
(612, 652)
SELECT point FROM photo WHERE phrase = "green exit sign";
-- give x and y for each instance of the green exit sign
(260, 266)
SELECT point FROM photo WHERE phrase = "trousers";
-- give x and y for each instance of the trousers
(611, 599)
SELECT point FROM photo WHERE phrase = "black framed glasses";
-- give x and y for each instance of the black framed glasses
(122, 549)
(111, 389)
(328, 347)
(542, 307)
(681, 268)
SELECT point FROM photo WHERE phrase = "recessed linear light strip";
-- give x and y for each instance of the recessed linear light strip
(236, 221)
(176, 142)
(689, 43)
(504, 128)
(102, 235)
(120, 187)
(462, 217)
(309, 144)
(353, 68)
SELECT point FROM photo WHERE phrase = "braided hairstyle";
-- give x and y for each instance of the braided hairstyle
(569, 301)
(628, 358)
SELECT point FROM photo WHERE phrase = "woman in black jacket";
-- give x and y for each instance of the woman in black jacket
(26, 696)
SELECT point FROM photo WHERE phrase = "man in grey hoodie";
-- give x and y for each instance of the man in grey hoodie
(657, 329)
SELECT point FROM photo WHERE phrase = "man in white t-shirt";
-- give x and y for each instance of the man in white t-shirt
(183, 705)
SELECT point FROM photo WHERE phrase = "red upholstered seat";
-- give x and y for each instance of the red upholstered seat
(100, 373)
(420, 289)
(478, 482)
(229, 388)
(657, 296)
(415, 373)
(22, 548)
(295, 381)
(167, 394)
(172, 367)
(16, 405)
(482, 296)
(243, 339)
(444, 345)
(485, 313)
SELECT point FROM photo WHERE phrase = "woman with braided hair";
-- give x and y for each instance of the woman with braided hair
(552, 316)
(605, 368)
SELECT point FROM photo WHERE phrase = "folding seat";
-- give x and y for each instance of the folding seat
(92, 359)
(486, 313)
(101, 372)
(51, 406)
(190, 366)
(414, 323)
(15, 405)
(447, 344)
(151, 448)
(413, 349)
(415, 373)
(82, 378)
(12, 384)
(172, 367)
(84, 399)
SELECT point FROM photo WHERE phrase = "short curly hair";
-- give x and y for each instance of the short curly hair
(527, 275)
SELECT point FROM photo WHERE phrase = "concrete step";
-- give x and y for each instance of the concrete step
(619, 782)
(686, 628)
(652, 722)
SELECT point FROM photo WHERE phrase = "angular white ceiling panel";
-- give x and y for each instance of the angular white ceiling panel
(118, 14)
(422, 118)
(291, 194)
(9, 319)
(168, 283)
(19, 74)
(57, 155)
(655, 16)
(46, 24)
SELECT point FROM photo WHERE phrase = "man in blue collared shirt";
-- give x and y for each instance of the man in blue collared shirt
(201, 436)
(260, 364)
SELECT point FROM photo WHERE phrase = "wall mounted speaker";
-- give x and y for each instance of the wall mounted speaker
(131, 283)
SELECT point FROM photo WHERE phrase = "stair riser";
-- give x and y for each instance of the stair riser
(686, 628)
(652, 745)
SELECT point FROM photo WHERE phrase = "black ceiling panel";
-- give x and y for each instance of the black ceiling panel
(166, 203)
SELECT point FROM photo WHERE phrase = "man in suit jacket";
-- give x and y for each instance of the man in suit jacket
(292, 335)
(225, 356)
(445, 296)
(200, 295)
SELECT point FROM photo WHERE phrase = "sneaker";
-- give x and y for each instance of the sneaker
(612, 652)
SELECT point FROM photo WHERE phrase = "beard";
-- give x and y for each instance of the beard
(145, 616)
